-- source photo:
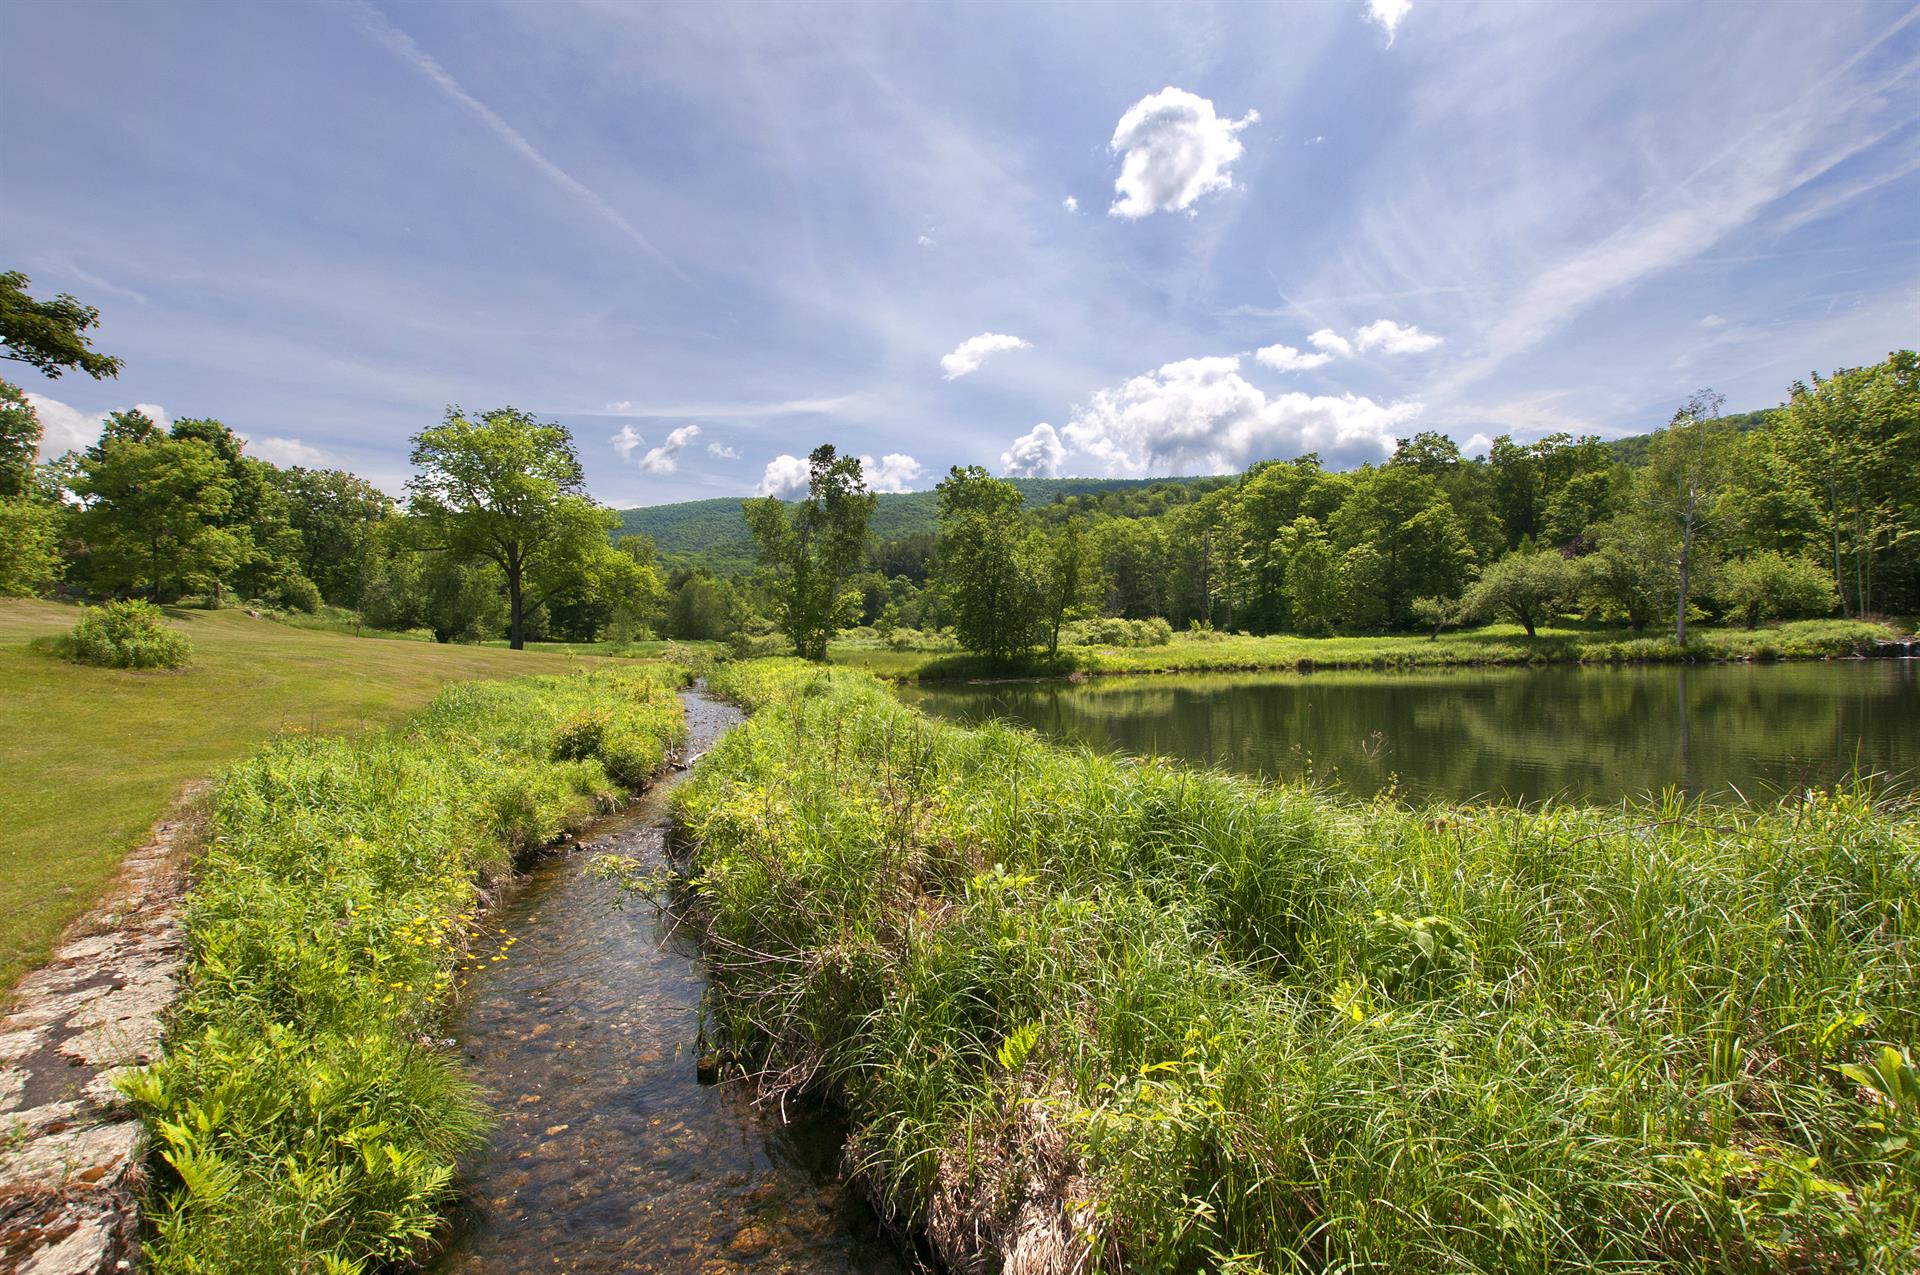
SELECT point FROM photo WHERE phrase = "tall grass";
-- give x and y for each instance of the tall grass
(303, 1118)
(1082, 1009)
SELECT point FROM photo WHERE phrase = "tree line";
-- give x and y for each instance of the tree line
(497, 538)
(1803, 510)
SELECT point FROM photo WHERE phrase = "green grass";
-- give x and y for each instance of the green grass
(1154, 1019)
(90, 757)
(301, 1122)
(1490, 645)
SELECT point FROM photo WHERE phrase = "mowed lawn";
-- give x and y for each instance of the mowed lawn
(90, 757)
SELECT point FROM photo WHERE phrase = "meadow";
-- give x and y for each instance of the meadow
(1138, 1017)
(303, 1120)
(91, 757)
(1492, 644)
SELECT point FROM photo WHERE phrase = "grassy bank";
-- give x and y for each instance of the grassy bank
(1155, 1019)
(1494, 644)
(90, 757)
(302, 1121)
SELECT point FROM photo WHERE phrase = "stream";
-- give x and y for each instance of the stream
(609, 1154)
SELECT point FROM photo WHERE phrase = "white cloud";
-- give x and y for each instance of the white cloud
(1478, 445)
(1070, 204)
(1389, 337)
(1713, 321)
(1202, 416)
(720, 451)
(892, 472)
(785, 477)
(1035, 454)
(1331, 342)
(626, 441)
(68, 429)
(1176, 149)
(1284, 358)
(287, 451)
(926, 241)
(663, 459)
(1388, 14)
(623, 406)
(972, 352)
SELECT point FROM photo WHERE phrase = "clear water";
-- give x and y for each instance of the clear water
(609, 1154)
(1589, 734)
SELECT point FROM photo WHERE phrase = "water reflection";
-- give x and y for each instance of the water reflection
(609, 1155)
(1596, 734)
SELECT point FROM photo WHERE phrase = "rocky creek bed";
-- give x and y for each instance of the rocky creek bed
(610, 1154)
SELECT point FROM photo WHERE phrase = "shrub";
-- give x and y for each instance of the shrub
(131, 634)
(1114, 631)
(1775, 586)
(749, 646)
(294, 592)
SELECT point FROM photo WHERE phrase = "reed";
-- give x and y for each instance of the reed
(1085, 1009)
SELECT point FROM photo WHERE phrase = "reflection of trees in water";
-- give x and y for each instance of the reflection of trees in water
(1594, 733)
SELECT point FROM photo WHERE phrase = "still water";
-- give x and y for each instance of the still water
(1588, 734)
(609, 1154)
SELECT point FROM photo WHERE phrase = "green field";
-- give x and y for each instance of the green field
(1490, 645)
(90, 757)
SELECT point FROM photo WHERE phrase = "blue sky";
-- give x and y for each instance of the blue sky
(1147, 238)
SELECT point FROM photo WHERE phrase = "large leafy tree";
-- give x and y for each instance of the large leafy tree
(811, 548)
(19, 442)
(1687, 472)
(988, 571)
(269, 567)
(156, 511)
(1069, 575)
(1527, 588)
(337, 515)
(507, 488)
(50, 336)
(1404, 516)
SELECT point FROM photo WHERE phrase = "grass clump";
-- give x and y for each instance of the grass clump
(1103, 1014)
(300, 1121)
(126, 634)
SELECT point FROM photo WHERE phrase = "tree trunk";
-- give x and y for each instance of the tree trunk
(516, 606)
(1526, 622)
(1686, 567)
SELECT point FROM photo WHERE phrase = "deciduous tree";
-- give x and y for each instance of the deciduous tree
(809, 550)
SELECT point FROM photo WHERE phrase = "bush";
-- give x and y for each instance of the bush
(1774, 586)
(129, 634)
(294, 592)
(748, 646)
(1114, 631)
(906, 639)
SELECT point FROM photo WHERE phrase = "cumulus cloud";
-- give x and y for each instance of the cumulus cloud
(1478, 445)
(664, 459)
(1331, 342)
(892, 472)
(1387, 14)
(1035, 454)
(68, 429)
(1389, 337)
(1070, 204)
(720, 451)
(1202, 416)
(1284, 358)
(1175, 149)
(972, 352)
(287, 451)
(626, 441)
(785, 477)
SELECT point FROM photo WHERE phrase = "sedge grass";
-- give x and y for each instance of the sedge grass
(301, 1118)
(1083, 1009)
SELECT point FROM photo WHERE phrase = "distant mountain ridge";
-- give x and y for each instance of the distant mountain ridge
(716, 529)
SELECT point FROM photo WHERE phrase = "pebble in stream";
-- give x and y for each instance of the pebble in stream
(609, 1155)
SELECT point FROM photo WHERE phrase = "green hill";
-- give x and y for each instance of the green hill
(716, 532)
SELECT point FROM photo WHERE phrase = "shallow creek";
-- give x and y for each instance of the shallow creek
(609, 1154)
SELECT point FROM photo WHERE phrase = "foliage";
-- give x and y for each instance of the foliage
(300, 1123)
(1111, 631)
(1160, 1016)
(29, 545)
(156, 511)
(509, 489)
(49, 336)
(1677, 494)
(1527, 588)
(989, 572)
(19, 442)
(808, 552)
(131, 634)
(1774, 586)
(335, 514)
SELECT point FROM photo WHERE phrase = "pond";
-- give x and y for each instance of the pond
(1564, 732)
